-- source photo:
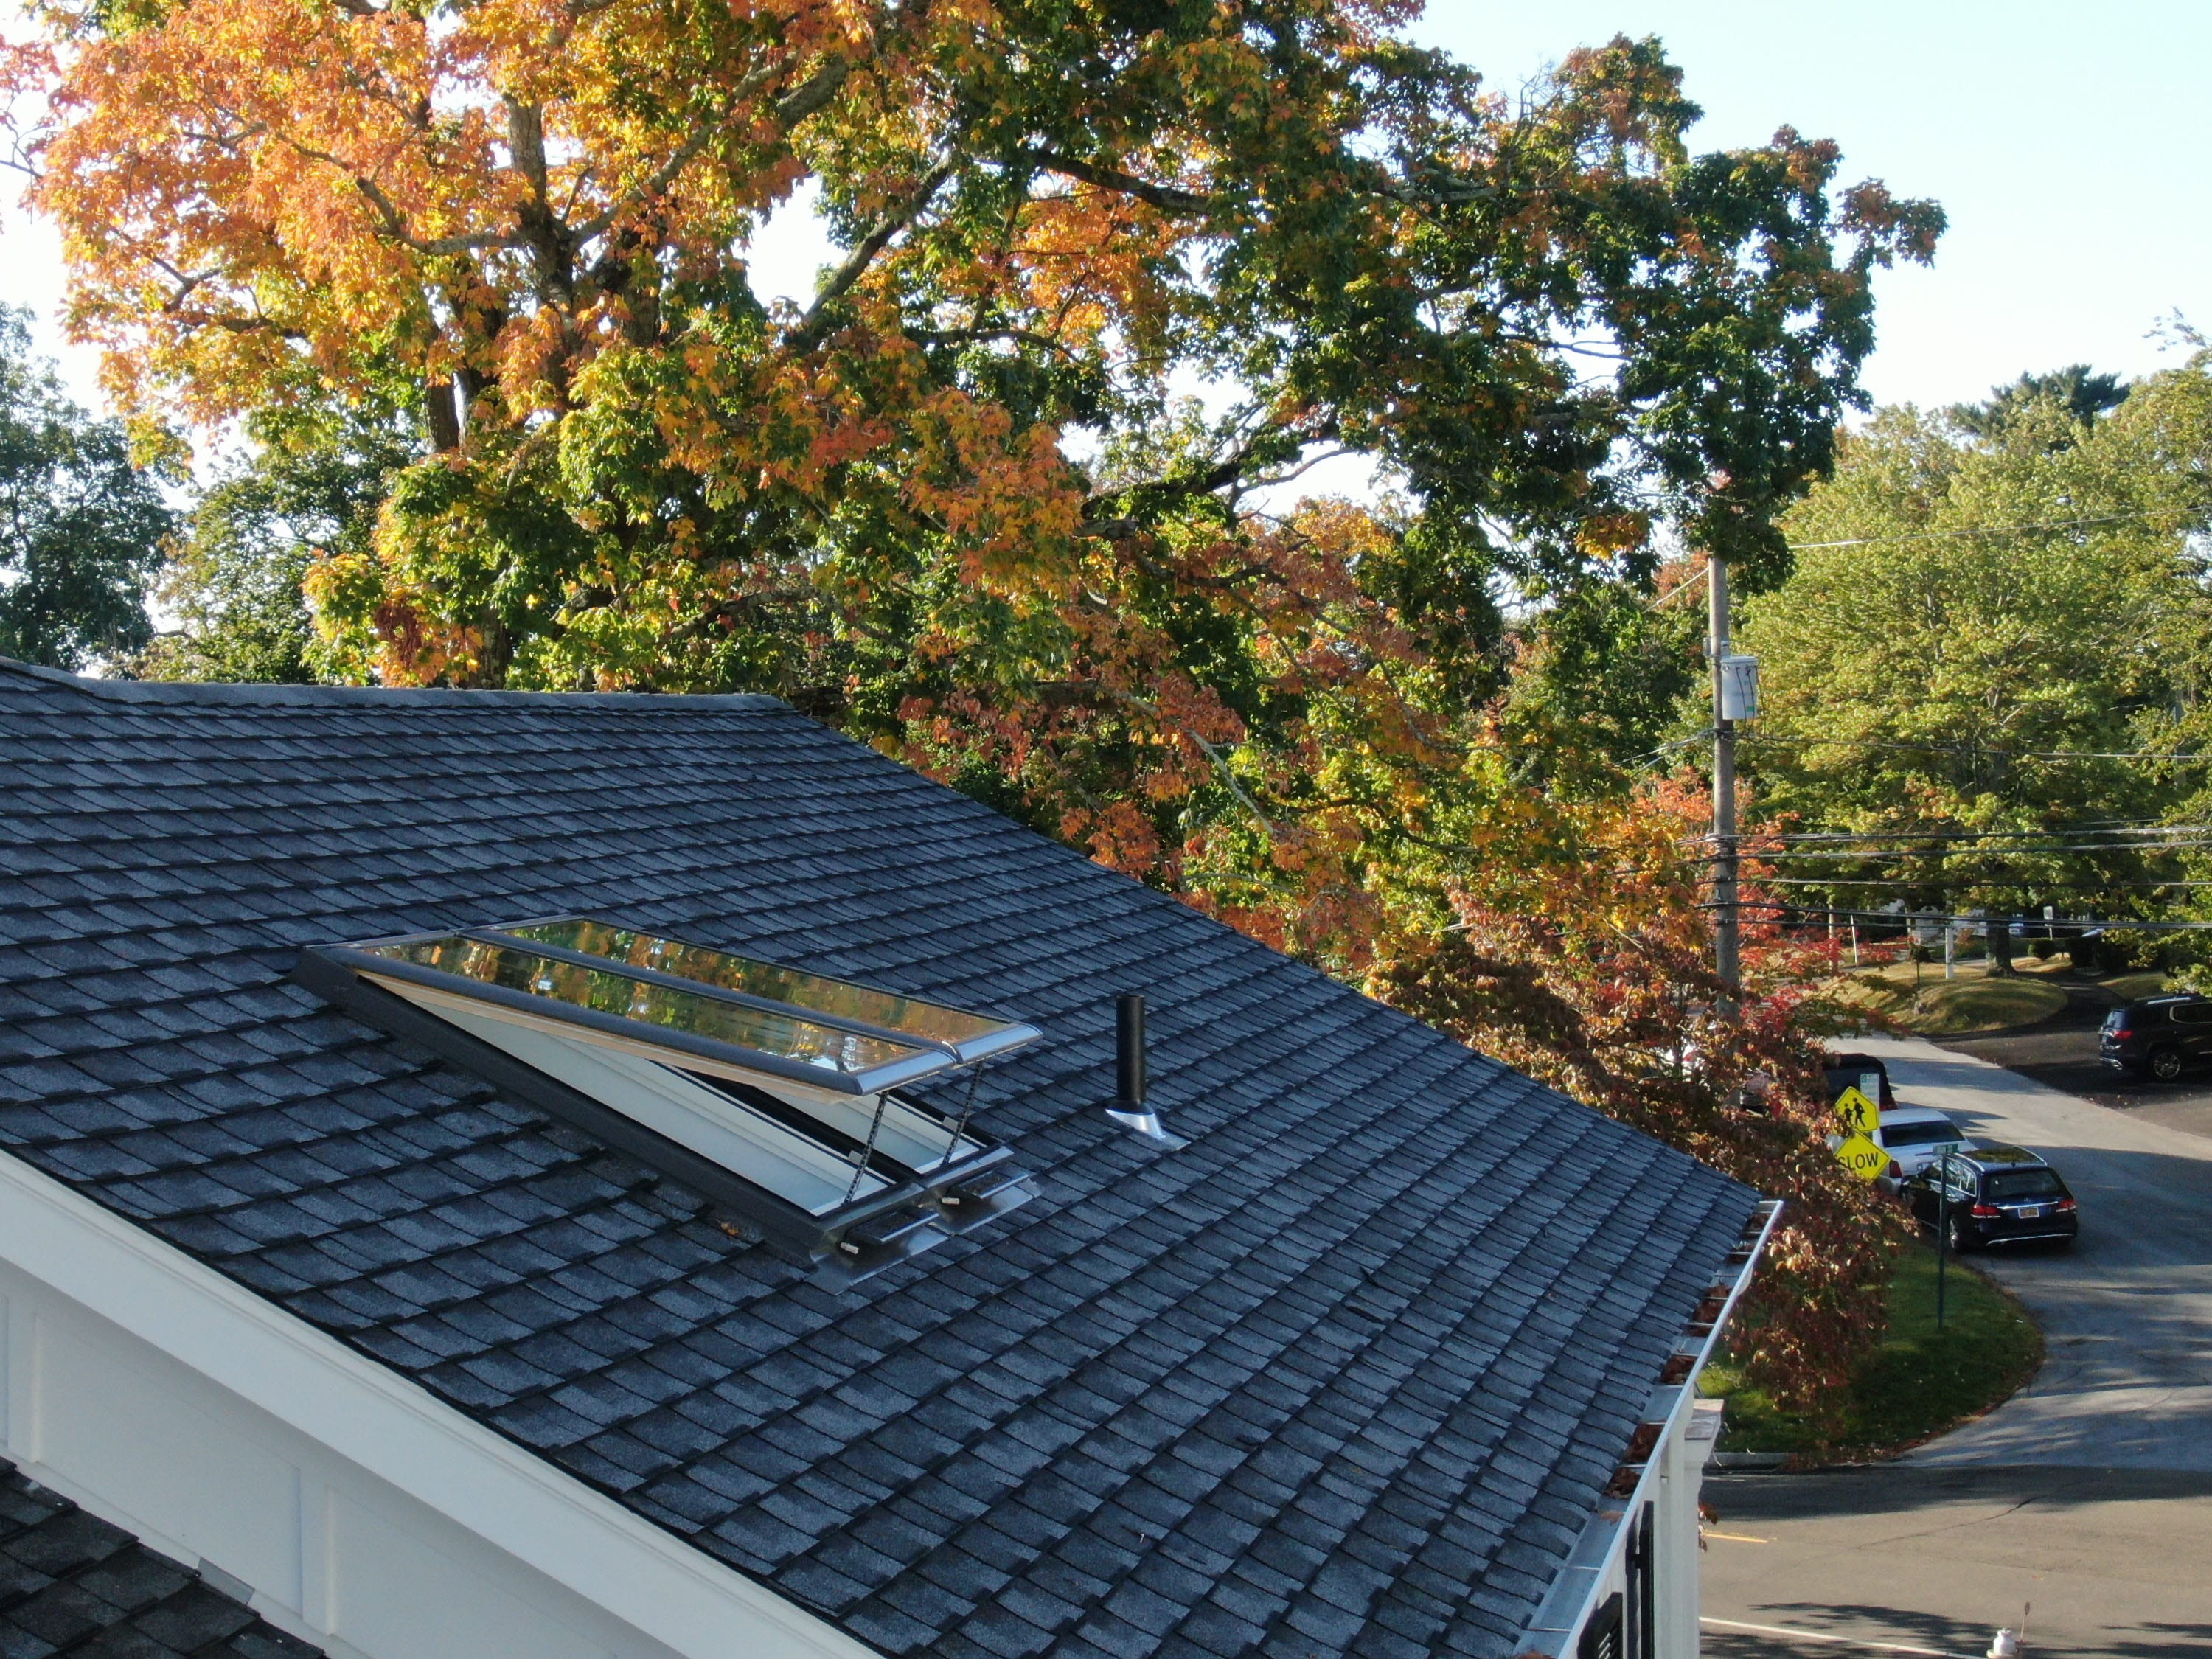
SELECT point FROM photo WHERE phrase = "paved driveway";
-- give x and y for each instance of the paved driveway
(1933, 1560)
(2089, 1494)
(2127, 1313)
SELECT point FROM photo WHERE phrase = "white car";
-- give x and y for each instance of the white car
(1915, 1137)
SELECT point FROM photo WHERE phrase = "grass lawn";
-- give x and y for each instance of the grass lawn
(1919, 1383)
(1972, 1002)
(2146, 982)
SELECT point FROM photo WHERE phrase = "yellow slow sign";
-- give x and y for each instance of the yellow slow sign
(1862, 1156)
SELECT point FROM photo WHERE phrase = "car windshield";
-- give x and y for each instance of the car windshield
(1920, 1134)
(2007, 1185)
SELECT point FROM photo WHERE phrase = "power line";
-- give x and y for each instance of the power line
(1777, 841)
(1675, 592)
(1975, 748)
(1907, 918)
(2090, 826)
(1988, 529)
(2042, 850)
(2028, 882)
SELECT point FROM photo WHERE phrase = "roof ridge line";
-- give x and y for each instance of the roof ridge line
(221, 691)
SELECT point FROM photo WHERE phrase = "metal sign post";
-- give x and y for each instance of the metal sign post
(1942, 1230)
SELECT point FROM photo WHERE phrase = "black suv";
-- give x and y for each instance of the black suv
(1864, 1072)
(1997, 1196)
(2159, 1037)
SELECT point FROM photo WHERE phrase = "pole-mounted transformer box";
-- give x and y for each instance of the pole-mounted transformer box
(1739, 688)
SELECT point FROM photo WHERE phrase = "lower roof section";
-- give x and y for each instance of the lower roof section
(1346, 1374)
(71, 1583)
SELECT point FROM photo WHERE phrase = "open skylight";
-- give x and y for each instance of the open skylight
(710, 1065)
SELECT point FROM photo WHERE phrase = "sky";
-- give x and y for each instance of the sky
(2065, 141)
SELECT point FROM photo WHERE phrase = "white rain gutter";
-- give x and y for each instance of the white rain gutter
(1574, 1594)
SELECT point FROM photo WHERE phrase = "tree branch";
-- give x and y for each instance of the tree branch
(1229, 470)
(810, 94)
(968, 336)
(815, 323)
(1168, 198)
(1267, 825)
(794, 107)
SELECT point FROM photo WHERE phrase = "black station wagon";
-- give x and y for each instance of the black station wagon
(1988, 1195)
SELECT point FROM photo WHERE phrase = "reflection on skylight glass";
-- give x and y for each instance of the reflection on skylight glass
(761, 979)
(609, 992)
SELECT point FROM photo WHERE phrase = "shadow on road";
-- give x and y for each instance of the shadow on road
(1901, 1489)
(1933, 1560)
(1937, 1634)
(1934, 1633)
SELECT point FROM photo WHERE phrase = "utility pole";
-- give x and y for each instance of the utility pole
(1727, 942)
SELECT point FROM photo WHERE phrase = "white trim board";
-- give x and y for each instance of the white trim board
(374, 1419)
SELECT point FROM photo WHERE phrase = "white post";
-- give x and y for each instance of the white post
(1950, 949)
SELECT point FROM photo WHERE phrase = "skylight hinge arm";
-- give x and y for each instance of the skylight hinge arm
(868, 1151)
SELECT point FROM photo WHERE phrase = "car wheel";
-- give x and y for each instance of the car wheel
(1961, 1240)
(2164, 1064)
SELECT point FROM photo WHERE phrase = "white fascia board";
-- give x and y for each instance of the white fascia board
(397, 1430)
(1574, 1594)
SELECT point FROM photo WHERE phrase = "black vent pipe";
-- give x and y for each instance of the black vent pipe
(1130, 1109)
(1129, 1052)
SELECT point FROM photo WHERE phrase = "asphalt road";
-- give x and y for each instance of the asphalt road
(2089, 1494)
(1933, 1560)
(2127, 1312)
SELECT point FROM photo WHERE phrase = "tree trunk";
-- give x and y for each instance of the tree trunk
(442, 418)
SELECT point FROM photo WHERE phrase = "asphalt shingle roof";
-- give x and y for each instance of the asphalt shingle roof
(72, 1585)
(1346, 1376)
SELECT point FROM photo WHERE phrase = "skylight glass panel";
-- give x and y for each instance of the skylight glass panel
(691, 1112)
(972, 1035)
(608, 991)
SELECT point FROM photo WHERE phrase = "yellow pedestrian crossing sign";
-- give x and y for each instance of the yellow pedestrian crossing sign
(1859, 1116)
(1862, 1156)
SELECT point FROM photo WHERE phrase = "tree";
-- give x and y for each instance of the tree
(1977, 637)
(81, 526)
(2080, 390)
(1601, 677)
(531, 218)
(1549, 318)
(310, 486)
(1585, 960)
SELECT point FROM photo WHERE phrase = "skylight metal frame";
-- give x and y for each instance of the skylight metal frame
(914, 1209)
